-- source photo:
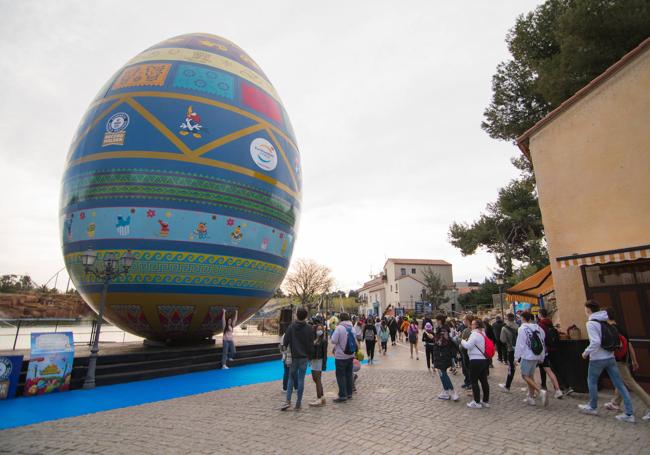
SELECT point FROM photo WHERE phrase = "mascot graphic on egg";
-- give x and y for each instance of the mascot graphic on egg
(188, 138)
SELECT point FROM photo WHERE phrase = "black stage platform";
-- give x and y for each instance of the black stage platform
(126, 362)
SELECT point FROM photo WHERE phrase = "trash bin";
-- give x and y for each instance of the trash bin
(572, 368)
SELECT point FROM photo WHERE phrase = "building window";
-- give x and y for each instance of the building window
(412, 271)
(396, 287)
(403, 271)
(391, 288)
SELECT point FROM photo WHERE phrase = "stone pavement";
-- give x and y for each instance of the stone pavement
(394, 411)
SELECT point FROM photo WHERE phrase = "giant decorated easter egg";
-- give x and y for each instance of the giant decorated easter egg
(187, 159)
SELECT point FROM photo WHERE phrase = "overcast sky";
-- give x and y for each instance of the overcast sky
(386, 99)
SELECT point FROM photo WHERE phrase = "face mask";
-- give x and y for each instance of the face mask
(319, 332)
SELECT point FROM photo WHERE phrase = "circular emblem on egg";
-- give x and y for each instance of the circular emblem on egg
(118, 122)
(264, 154)
(186, 159)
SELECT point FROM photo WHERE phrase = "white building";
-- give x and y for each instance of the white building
(401, 285)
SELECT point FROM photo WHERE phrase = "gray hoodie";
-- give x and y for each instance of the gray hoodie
(509, 335)
(594, 351)
(340, 338)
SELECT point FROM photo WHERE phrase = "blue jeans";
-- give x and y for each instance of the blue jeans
(227, 351)
(444, 378)
(344, 377)
(297, 378)
(596, 367)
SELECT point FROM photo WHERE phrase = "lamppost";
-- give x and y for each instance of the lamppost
(499, 281)
(113, 267)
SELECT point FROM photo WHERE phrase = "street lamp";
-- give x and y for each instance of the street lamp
(112, 267)
(499, 281)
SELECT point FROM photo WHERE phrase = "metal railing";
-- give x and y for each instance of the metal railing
(13, 330)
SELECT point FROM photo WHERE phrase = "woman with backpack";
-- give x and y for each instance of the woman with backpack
(413, 332)
(551, 339)
(383, 337)
(319, 364)
(479, 365)
(369, 334)
(442, 355)
(392, 329)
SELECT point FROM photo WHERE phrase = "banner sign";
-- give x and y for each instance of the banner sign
(423, 308)
(50, 363)
(10, 366)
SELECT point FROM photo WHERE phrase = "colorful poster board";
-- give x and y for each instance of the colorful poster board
(10, 366)
(50, 363)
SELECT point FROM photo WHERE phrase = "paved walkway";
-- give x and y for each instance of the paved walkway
(394, 411)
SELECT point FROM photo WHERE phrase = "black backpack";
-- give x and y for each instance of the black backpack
(609, 339)
(552, 338)
(535, 342)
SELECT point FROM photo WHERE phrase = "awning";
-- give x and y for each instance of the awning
(604, 257)
(528, 290)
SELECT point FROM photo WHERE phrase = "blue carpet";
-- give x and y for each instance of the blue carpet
(29, 410)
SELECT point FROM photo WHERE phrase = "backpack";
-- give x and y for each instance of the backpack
(370, 335)
(535, 342)
(621, 354)
(489, 347)
(609, 337)
(413, 334)
(552, 338)
(351, 343)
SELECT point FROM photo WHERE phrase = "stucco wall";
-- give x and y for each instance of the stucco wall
(592, 165)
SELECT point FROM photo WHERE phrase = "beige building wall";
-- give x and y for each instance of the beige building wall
(592, 165)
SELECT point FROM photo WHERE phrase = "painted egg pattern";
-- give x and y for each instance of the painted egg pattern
(187, 159)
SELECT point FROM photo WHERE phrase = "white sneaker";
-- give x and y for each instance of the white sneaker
(586, 409)
(474, 405)
(625, 418)
(530, 401)
(543, 395)
(503, 388)
(443, 396)
(611, 406)
(646, 417)
(225, 367)
(558, 394)
(455, 397)
(484, 404)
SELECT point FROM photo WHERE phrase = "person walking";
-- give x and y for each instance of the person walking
(383, 337)
(413, 332)
(626, 360)
(466, 331)
(551, 341)
(442, 353)
(228, 350)
(478, 365)
(342, 360)
(370, 336)
(428, 340)
(508, 338)
(405, 328)
(603, 341)
(529, 350)
(286, 362)
(300, 340)
(502, 353)
(392, 328)
(319, 364)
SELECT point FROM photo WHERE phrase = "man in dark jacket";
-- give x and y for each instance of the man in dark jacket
(501, 348)
(300, 339)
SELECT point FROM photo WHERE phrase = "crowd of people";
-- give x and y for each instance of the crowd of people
(523, 341)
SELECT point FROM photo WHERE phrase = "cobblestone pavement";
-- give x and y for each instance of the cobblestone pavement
(394, 411)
